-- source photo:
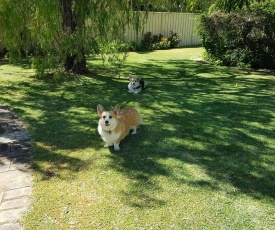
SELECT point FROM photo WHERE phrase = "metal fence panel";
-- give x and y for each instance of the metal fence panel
(165, 22)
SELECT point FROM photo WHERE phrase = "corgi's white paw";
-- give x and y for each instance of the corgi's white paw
(116, 147)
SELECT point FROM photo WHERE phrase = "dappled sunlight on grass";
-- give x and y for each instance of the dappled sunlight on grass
(205, 151)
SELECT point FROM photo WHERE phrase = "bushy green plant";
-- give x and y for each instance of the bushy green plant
(160, 42)
(157, 42)
(147, 41)
(134, 46)
(242, 38)
(174, 39)
(164, 43)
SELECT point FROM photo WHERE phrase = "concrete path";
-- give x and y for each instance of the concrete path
(15, 172)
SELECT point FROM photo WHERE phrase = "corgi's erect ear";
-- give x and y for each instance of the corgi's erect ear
(116, 109)
(130, 77)
(138, 78)
(100, 109)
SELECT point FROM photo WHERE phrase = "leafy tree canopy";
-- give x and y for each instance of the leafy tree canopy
(229, 5)
(60, 34)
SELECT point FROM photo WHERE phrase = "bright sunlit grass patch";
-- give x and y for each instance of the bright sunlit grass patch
(204, 158)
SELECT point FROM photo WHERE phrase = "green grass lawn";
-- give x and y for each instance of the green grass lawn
(204, 158)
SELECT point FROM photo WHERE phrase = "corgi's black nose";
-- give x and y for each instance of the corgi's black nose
(106, 122)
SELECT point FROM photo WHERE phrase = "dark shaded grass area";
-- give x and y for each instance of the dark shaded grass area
(217, 118)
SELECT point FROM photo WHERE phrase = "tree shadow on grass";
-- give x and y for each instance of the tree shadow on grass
(50, 163)
(56, 123)
(217, 118)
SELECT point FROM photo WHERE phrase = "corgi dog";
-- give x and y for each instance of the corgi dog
(115, 124)
(136, 84)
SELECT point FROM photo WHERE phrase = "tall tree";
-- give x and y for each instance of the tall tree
(62, 33)
(229, 5)
(194, 6)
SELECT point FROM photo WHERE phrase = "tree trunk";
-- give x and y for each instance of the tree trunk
(69, 25)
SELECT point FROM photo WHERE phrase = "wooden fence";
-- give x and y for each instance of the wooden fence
(165, 22)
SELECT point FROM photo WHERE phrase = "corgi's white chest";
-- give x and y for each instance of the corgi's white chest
(109, 136)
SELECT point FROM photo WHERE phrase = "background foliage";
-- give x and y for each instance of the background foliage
(51, 31)
(243, 38)
(159, 41)
(61, 34)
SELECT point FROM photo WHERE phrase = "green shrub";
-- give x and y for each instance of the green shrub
(147, 41)
(174, 39)
(164, 43)
(158, 42)
(134, 46)
(243, 38)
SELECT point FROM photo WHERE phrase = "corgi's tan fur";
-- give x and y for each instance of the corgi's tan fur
(115, 124)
